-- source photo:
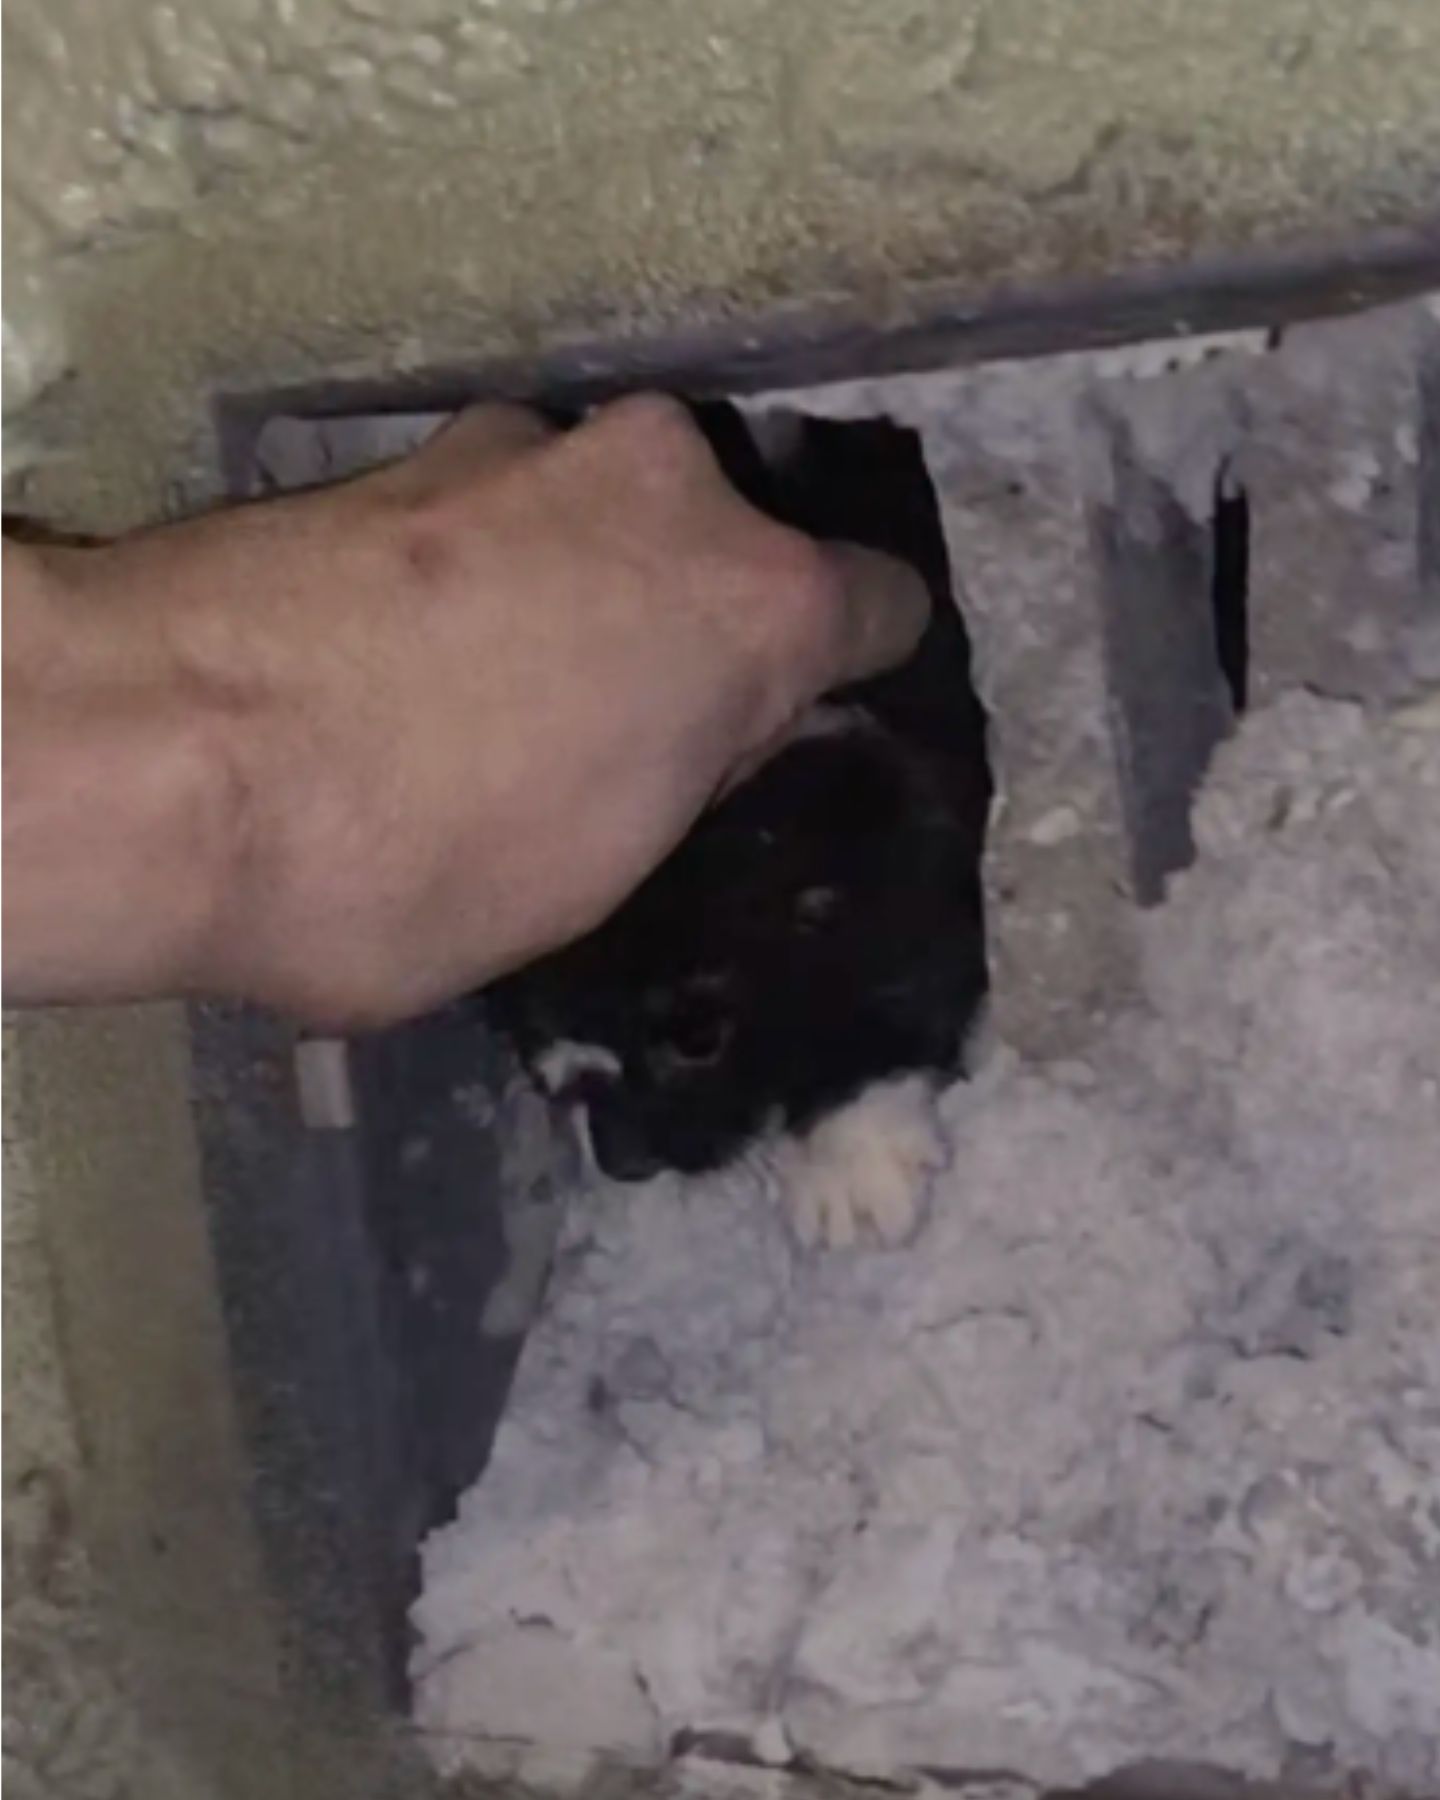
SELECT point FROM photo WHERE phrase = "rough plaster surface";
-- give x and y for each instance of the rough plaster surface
(254, 192)
(1135, 1452)
(124, 1491)
(69, 1725)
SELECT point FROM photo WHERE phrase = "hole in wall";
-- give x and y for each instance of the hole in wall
(421, 1160)
(822, 928)
(1175, 616)
(1230, 585)
(423, 1168)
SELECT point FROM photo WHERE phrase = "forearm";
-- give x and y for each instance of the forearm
(352, 753)
(118, 821)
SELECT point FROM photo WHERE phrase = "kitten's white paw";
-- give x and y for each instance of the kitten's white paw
(866, 1170)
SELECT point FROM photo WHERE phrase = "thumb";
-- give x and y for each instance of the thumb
(883, 608)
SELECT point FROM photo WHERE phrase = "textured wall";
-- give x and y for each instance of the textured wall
(252, 190)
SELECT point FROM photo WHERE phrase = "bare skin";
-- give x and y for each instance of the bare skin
(351, 753)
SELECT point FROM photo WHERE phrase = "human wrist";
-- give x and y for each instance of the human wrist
(121, 810)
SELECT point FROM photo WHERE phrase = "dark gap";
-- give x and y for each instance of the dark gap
(1162, 1779)
(1427, 524)
(336, 1480)
(1171, 591)
(865, 481)
(1230, 585)
(822, 927)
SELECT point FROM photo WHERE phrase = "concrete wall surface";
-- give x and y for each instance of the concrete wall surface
(245, 195)
(244, 192)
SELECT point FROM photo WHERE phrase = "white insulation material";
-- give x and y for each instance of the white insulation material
(1131, 1451)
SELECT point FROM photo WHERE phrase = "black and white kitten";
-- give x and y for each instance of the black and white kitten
(821, 929)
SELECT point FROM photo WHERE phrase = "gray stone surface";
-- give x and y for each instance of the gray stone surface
(1334, 438)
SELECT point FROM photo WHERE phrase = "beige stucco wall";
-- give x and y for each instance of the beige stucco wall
(240, 191)
(124, 1489)
(237, 194)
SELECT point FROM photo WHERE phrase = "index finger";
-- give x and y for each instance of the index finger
(884, 607)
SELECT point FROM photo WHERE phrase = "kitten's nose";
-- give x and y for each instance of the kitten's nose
(621, 1146)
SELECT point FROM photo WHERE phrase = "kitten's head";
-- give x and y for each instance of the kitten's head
(819, 929)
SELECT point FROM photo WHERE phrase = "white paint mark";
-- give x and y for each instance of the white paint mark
(323, 1085)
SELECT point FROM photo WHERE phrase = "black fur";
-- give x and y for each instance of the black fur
(822, 927)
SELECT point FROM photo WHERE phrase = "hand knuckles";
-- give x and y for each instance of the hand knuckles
(655, 438)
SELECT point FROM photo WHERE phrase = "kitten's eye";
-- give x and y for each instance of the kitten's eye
(816, 907)
(689, 1026)
(698, 1035)
(693, 1032)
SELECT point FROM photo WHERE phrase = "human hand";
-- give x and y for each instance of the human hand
(458, 708)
